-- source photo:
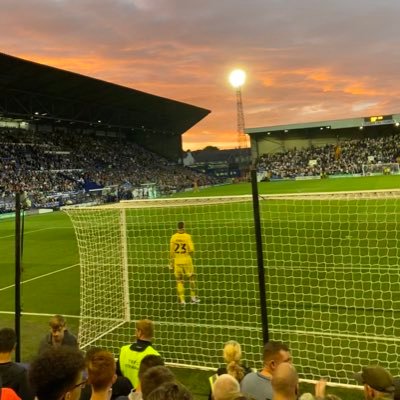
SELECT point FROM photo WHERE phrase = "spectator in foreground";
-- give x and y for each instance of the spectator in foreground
(131, 356)
(285, 382)
(226, 387)
(101, 369)
(377, 381)
(98, 359)
(8, 394)
(154, 378)
(58, 335)
(320, 392)
(232, 355)
(148, 362)
(57, 374)
(170, 391)
(258, 384)
(13, 375)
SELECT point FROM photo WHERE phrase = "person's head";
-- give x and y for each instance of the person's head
(57, 325)
(181, 226)
(232, 355)
(170, 391)
(285, 381)
(232, 351)
(377, 381)
(274, 354)
(145, 329)
(155, 377)
(226, 387)
(148, 362)
(101, 369)
(8, 340)
(56, 374)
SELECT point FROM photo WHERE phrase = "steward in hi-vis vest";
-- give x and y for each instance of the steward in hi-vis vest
(131, 355)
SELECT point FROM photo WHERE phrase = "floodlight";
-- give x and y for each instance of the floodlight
(237, 78)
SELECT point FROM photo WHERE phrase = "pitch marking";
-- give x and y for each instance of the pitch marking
(37, 230)
(40, 276)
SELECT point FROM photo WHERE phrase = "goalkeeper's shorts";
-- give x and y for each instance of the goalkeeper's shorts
(182, 270)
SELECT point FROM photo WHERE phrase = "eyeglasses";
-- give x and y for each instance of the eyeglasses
(81, 384)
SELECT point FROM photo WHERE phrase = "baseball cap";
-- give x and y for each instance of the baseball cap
(377, 377)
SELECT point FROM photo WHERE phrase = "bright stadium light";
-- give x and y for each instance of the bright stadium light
(237, 78)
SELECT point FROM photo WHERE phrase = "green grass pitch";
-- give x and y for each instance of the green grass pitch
(51, 274)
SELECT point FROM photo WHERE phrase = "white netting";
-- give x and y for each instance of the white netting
(124, 256)
(331, 268)
(381, 169)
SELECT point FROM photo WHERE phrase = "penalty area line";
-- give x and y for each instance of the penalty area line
(37, 230)
(40, 277)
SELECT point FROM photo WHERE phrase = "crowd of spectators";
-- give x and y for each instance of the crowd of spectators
(49, 163)
(62, 371)
(346, 157)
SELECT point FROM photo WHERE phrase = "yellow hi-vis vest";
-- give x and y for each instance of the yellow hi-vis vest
(129, 362)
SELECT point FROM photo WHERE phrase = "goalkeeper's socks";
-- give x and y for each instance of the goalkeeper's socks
(181, 291)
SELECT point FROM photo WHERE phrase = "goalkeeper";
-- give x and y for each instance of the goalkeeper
(181, 250)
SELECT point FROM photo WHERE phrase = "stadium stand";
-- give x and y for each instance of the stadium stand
(53, 168)
(348, 157)
(63, 134)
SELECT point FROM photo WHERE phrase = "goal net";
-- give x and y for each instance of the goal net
(381, 169)
(331, 270)
(124, 257)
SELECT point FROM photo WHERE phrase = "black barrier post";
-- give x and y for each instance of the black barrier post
(260, 258)
(18, 276)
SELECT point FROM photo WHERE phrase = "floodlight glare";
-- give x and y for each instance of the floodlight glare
(237, 78)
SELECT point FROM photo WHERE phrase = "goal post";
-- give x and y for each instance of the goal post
(331, 273)
(380, 169)
(137, 234)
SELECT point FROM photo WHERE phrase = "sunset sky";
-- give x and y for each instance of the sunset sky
(306, 60)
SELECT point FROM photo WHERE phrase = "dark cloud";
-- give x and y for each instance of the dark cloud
(306, 60)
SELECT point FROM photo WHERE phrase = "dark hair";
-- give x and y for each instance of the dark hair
(8, 339)
(148, 362)
(101, 369)
(155, 377)
(181, 225)
(271, 349)
(55, 371)
(170, 391)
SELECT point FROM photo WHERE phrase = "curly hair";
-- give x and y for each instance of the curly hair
(55, 371)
